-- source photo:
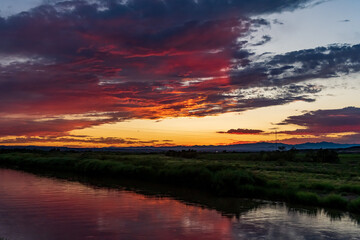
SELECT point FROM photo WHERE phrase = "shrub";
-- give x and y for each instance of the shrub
(322, 186)
(183, 154)
(323, 155)
(235, 182)
(350, 188)
(327, 155)
(306, 198)
(354, 206)
(334, 201)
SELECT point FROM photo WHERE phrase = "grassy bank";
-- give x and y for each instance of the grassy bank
(331, 185)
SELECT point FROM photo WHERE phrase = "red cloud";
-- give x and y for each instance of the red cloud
(36, 127)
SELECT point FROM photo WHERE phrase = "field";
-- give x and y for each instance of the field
(290, 177)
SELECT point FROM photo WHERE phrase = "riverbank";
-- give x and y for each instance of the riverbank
(331, 185)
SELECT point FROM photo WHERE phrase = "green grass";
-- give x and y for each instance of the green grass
(331, 185)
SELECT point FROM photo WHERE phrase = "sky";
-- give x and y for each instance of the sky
(91, 73)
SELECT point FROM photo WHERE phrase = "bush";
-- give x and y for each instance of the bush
(280, 156)
(183, 154)
(323, 155)
(350, 189)
(236, 182)
(334, 201)
(322, 186)
(354, 206)
(306, 198)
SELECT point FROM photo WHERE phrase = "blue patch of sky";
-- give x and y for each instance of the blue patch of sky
(331, 22)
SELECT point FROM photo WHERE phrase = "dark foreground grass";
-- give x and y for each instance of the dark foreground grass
(330, 185)
(216, 178)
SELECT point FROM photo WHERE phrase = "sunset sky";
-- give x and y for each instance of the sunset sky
(100, 73)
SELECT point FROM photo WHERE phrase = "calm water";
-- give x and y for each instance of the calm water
(33, 207)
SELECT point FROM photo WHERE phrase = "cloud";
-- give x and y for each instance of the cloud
(322, 122)
(298, 66)
(241, 131)
(263, 40)
(36, 127)
(110, 141)
(345, 139)
(148, 59)
(277, 21)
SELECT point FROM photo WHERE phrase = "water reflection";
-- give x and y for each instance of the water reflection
(33, 207)
(277, 222)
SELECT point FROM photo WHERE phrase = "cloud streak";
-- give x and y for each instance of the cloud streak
(107, 141)
(241, 131)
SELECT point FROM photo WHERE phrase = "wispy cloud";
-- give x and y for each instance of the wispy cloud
(76, 140)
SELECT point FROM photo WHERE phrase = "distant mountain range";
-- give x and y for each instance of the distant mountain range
(250, 147)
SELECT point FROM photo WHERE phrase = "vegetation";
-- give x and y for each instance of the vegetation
(316, 178)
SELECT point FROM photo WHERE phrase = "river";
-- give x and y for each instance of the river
(36, 207)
